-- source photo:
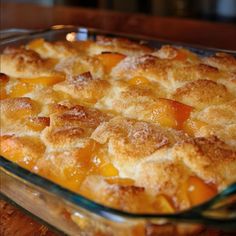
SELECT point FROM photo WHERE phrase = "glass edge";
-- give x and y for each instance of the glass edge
(194, 47)
(31, 215)
(191, 215)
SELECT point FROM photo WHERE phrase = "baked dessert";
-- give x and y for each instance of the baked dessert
(134, 128)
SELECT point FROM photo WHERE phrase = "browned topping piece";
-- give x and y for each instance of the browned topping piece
(202, 93)
(131, 138)
(84, 87)
(209, 158)
(222, 61)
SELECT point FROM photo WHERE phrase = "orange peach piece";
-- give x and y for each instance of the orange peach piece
(44, 80)
(108, 170)
(183, 55)
(109, 60)
(170, 113)
(198, 191)
(71, 176)
(138, 80)
(182, 112)
(36, 43)
(163, 205)
(20, 89)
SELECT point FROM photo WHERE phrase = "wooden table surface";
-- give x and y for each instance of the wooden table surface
(219, 35)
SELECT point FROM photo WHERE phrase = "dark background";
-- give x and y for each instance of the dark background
(211, 10)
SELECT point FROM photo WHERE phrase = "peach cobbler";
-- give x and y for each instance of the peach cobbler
(135, 128)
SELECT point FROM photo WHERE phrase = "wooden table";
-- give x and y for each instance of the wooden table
(183, 30)
(33, 16)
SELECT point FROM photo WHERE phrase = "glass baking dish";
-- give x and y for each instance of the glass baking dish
(72, 213)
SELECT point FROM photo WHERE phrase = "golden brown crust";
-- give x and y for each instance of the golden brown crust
(176, 53)
(121, 45)
(12, 105)
(130, 141)
(222, 61)
(131, 138)
(60, 49)
(126, 198)
(71, 127)
(202, 93)
(209, 158)
(83, 87)
(19, 62)
(166, 177)
(76, 65)
(223, 114)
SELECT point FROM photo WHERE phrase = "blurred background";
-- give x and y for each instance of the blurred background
(212, 10)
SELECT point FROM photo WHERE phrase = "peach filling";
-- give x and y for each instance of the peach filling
(183, 55)
(109, 60)
(21, 150)
(198, 191)
(108, 170)
(163, 205)
(44, 80)
(70, 172)
(20, 89)
(170, 113)
(36, 43)
(138, 80)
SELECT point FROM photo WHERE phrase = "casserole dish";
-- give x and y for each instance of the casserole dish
(73, 213)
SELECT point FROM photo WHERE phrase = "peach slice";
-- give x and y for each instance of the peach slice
(108, 170)
(138, 80)
(183, 55)
(163, 205)
(170, 113)
(109, 60)
(36, 43)
(198, 191)
(44, 80)
(181, 112)
(20, 89)
(70, 169)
